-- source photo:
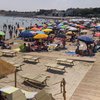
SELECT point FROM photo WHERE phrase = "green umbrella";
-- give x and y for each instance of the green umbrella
(2, 33)
(63, 27)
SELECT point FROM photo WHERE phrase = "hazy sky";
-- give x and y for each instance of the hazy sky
(33, 5)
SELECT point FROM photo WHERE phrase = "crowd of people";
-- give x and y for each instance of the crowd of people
(56, 36)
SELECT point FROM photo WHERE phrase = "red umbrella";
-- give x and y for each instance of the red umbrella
(82, 27)
(97, 34)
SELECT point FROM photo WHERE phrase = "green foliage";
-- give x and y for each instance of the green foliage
(83, 12)
(22, 48)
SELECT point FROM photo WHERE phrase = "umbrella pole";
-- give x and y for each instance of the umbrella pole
(15, 77)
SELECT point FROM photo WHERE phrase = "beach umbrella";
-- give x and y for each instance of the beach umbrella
(84, 31)
(21, 28)
(82, 27)
(2, 33)
(86, 38)
(97, 28)
(50, 27)
(33, 32)
(40, 36)
(61, 36)
(93, 29)
(40, 32)
(49, 24)
(35, 29)
(73, 29)
(93, 25)
(97, 34)
(63, 27)
(26, 34)
(70, 33)
(47, 30)
(40, 25)
(73, 25)
(65, 22)
(61, 24)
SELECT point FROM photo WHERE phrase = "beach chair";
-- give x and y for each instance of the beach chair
(38, 79)
(30, 58)
(56, 67)
(65, 61)
(8, 53)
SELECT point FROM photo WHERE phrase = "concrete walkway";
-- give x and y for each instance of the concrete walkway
(89, 88)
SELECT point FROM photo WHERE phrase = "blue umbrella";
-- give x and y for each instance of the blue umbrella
(26, 34)
(61, 24)
(97, 28)
(86, 39)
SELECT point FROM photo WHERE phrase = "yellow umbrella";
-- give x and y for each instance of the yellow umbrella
(40, 36)
(70, 33)
(47, 30)
(78, 25)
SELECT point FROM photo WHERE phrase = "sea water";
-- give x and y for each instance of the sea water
(22, 21)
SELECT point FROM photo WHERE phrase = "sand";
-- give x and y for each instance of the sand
(73, 75)
(6, 68)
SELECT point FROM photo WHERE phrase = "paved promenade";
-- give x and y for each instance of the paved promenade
(89, 88)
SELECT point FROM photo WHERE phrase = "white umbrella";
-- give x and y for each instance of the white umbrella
(73, 29)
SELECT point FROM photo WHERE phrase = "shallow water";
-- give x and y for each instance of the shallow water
(23, 22)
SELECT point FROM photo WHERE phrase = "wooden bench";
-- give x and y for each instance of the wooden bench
(9, 53)
(39, 79)
(55, 66)
(18, 66)
(31, 58)
(65, 61)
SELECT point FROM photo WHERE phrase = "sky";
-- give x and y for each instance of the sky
(35, 5)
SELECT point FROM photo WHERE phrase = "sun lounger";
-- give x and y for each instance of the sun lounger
(55, 66)
(9, 53)
(39, 79)
(31, 58)
(65, 61)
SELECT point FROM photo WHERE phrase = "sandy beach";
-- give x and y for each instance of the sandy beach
(73, 75)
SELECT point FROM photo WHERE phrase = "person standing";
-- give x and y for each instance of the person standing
(10, 32)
